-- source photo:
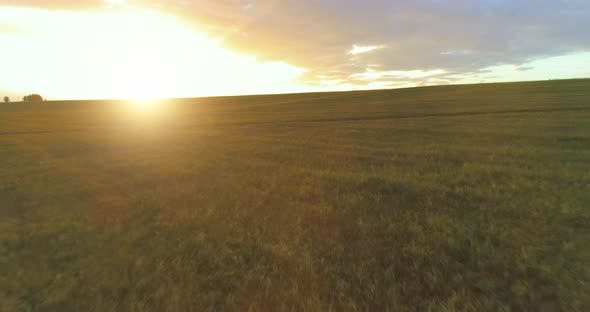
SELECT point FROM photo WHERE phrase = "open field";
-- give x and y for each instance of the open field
(464, 198)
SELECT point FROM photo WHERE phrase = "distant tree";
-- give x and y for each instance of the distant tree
(6, 99)
(33, 98)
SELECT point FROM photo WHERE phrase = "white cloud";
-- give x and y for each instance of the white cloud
(362, 49)
(372, 74)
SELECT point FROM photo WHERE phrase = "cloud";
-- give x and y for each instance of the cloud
(362, 49)
(455, 36)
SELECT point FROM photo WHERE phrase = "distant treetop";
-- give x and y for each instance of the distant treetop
(6, 99)
(33, 98)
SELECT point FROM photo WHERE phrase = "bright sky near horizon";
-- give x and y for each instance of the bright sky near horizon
(150, 49)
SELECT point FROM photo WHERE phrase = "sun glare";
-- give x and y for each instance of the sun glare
(144, 99)
(126, 52)
(143, 104)
(143, 110)
(116, 1)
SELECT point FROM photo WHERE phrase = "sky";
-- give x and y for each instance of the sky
(89, 49)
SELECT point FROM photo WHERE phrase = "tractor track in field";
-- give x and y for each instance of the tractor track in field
(320, 120)
(393, 117)
(44, 131)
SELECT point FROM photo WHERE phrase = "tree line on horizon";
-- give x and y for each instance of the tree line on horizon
(31, 98)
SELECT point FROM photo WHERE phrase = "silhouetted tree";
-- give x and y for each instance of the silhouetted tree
(33, 98)
(6, 99)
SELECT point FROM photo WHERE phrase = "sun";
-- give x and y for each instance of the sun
(145, 99)
(115, 2)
